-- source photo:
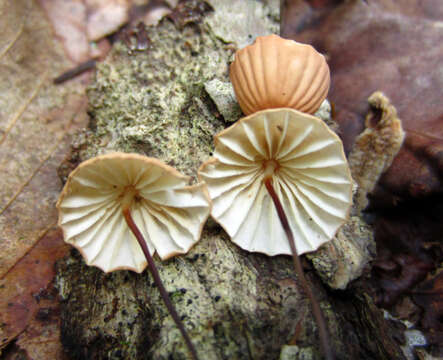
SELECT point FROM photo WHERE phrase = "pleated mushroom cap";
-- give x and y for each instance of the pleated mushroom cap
(279, 73)
(311, 178)
(169, 214)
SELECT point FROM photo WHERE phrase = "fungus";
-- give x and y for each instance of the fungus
(118, 209)
(275, 163)
(279, 73)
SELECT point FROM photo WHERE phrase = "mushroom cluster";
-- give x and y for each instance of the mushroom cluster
(280, 155)
(282, 148)
(279, 171)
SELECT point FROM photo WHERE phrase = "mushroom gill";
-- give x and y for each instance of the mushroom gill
(306, 165)
(280, 173)
(118, 209)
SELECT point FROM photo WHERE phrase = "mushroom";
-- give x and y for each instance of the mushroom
(279, 73)
(293, 160)
(305, 163)
(118, 209)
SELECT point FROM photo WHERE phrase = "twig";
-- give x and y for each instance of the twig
(80, 69)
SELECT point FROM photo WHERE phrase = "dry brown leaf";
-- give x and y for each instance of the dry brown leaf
(36, 120)
(79, 23)
(41, 339)
(106, 16)
(394, 47)
(429, 296)
(69, 20)
(24, 294)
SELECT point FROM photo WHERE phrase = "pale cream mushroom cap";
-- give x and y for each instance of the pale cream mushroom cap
(279, 73)
(312, 180)
(169, 213)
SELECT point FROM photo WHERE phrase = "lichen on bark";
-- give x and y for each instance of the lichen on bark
(153, 102)
(376, 147)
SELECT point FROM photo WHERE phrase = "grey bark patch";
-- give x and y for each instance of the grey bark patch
(222, 93)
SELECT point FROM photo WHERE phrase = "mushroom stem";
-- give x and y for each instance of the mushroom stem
(158, 282)
(316, 310)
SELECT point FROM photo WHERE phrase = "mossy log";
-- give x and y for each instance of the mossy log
(235, 305)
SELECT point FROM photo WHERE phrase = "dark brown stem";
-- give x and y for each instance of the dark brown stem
(158, 282)
(316, 310)
(80, 69)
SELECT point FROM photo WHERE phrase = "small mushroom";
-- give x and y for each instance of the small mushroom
(276, 163)
(279, 73)
(169, 214)
(306, 165)
(118, 209)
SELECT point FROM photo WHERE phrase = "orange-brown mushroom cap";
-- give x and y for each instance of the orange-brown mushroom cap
(279, 73)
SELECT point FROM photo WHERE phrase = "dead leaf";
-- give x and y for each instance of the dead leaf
(69, 20)
(429, 296)
(41, 339)
(408, 247)
(25, 285)
(36, 122)
(78, 24)
(394, 47)
(106, 16)
(397, 274)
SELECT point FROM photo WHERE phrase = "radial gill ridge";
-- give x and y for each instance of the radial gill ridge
(310, 175)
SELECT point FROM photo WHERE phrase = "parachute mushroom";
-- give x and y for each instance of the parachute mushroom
(279, 73)
(315, 187)
(305, 163)
(288, 158)
(118, 209)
